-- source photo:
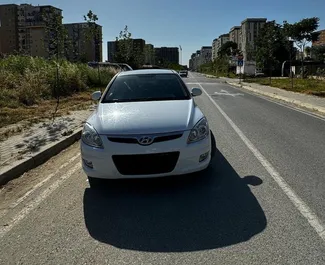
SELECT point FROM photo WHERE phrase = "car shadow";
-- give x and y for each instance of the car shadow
(195, 212)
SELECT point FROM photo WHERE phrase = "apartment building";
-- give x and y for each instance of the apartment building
(250, 29)
(234, 35)
(205, 54)
(197, 60)
(217, 43)
(149, 54)
(214, 49)
(27, 29)
(191, 61)
(167, 55)
(111, 51)
(321, 38)
(9, 29)
(83, 46)
(137, 45)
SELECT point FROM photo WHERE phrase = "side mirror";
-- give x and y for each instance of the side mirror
(196, 92)
(96, 95)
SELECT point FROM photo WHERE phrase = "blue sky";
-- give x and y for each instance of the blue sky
(190, 23)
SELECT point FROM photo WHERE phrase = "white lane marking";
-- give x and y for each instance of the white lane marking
(279, 103)
(302, 207)
(226, 93)
(36, 201)
(38, 185)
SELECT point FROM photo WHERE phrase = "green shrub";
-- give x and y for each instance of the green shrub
(27, 80)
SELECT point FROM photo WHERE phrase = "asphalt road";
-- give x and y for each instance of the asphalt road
(262, 202)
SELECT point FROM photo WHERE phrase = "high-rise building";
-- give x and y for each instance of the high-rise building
(214, 51)
(9, 29)
(165, 55)
(192, 61)
(250, 29)
(205, 54)
(149, 54)
(197, 60)
(36, 34)
(84, 45)
(222, 39)
(138, 45)
(217, 43)
(139, 49)
(134, 46)
(111, 51)
(26, 28)
(234, 35)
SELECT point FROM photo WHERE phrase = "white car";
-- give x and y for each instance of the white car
(146, 124)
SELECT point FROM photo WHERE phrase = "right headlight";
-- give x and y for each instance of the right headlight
(90, 136)
(199, 132)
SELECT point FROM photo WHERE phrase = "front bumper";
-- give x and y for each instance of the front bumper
(104, 167)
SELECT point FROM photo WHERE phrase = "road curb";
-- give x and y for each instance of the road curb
(286, 99)
(20, 167)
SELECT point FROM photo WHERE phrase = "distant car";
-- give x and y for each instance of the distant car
(146, 124)
(183, 73)
(125, 67)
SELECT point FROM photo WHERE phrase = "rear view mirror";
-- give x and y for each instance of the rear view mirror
(96, 95)
(196, 92)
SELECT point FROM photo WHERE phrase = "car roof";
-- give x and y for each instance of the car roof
(147, 71)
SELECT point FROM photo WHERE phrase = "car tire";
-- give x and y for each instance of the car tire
(213, 145)
(95, 183)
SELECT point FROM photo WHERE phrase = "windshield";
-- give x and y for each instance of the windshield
(146, 87)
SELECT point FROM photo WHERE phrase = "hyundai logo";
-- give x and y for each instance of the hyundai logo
(145, 140)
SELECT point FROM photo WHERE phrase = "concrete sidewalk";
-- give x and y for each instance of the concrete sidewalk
(309, 102)
(19, 148)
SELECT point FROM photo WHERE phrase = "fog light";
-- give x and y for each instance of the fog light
(88, 163)
(203, 156)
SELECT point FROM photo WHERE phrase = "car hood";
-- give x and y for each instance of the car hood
(145, 117)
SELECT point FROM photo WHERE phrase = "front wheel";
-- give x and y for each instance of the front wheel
(95, 183)
(213, 145)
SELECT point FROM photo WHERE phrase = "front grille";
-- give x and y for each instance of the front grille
(146, 164)
(133, 140)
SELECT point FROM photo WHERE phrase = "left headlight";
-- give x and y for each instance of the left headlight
(199, 132)
(90, 136)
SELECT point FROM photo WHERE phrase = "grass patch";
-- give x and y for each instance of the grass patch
(29, 87)
(30, 115)
(27, 81)
(306, 86)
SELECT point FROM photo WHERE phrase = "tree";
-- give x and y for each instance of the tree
(56, 43)
(127, 50)
(93, 33)
(94, 38)
(272, 47)
(302, 33)
(250, 52)
(56, 39)
(318, 53)
(228, 48)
